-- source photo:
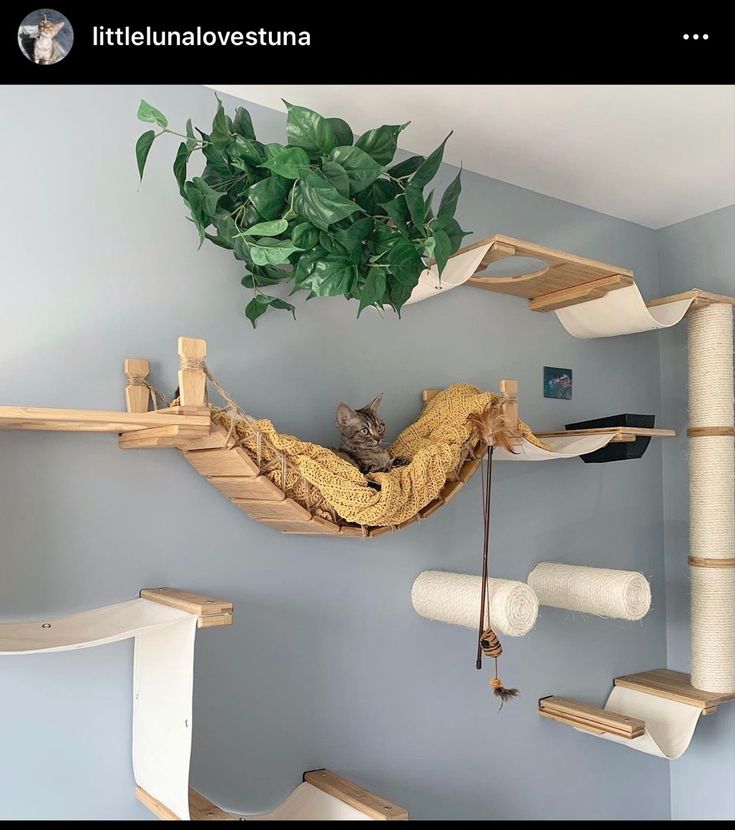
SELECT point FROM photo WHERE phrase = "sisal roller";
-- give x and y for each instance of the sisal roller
(624, 595)
(455, 598)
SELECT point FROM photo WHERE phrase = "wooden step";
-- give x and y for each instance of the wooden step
(590, 718)
(674, 685)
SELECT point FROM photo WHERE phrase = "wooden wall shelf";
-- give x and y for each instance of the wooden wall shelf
(102, 420)
(674, 685)
(620, 434)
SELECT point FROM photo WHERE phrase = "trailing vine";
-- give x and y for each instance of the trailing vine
(328, 213)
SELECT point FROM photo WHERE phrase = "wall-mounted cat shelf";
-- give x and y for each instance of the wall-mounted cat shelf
(192, 428)
(654, 712)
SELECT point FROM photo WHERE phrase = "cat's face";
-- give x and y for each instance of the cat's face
(361, 426)
(48, 29)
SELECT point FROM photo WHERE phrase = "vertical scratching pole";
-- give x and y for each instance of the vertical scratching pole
(711, 498)
(137, 392)
(509, 407)
(192, 380)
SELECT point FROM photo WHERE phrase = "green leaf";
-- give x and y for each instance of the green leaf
(220, 135)
(269, 251)
(362, 170)
(191, 141)
(217, 160)
(405, 263)
(305, 236)
(290, 163)
(342, 131)
(210, 197)
(320, 203)
(146, 112)
(264, 275)
(330, 244)
(306, 128)
(218, 241)
(257, 307)
(397, 210)
(142, 148)
(452, 229)
(182, 157)
(228, 231)
(330, 275)
(336, 175)
(248, 149)
(373, 289)
(276, 302)
(272, 228)
(448, 204)
(273, 149)
(416, 205)
(398, 294)
(352, 237)
(428, 169)
(243, 123)
(268, 196)
(381, 143)
(374, 197)
(193, 198)
(442, 249)
(406, 168)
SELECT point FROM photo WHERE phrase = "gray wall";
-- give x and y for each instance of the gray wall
(327, 664)
(699, 252)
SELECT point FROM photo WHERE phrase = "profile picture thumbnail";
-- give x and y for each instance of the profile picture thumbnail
(45, 36)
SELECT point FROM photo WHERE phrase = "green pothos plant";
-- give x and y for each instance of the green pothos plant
(330, 214)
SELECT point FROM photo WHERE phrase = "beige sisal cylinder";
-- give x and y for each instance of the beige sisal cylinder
(625, 595)
(455, 598)
(712, 499)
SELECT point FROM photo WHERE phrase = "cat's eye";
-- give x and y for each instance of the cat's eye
(364, 430)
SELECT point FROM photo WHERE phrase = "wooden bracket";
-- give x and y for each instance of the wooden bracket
(137, 394)
(356, 796)
(579, 293)
(211, 612)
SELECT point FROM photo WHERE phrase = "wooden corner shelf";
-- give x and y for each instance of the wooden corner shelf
(211, 612)
(674, 685)
(698, 297)
(99, 420)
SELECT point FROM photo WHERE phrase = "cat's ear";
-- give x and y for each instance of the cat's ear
(375, 403)
(345, 414)
(58, 27)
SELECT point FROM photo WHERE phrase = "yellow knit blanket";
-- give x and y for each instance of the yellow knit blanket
(435, 444)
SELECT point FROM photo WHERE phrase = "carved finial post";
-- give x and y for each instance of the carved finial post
(137, 392)
(509, 405)
(192, 379)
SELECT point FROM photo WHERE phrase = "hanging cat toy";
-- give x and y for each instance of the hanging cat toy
(495, 426)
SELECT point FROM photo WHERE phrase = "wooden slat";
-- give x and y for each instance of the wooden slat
(202, 809)
(429, 394)
(697, 295)
(567, 720)
(283, 510)
(361, 799)
(622, 430)
(252, 489)
(579, 293)
(211, 611)
(673, 685)
(381, 531)
(217, 439)
(234, 462)
(172, 436)
(155, 806)
(710, 432)
(450, 490)
(468, 469)
(592, 716)
(92, 420)
(316, 526)
(431, 507)
(353, 530)
(563, 270)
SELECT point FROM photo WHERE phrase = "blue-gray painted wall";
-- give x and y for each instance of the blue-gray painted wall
(327, 664)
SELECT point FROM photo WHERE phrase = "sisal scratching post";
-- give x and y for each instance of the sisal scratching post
(712, 498)
(624, 595)
(454, 598)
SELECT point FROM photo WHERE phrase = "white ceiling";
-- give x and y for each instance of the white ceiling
(652, 154)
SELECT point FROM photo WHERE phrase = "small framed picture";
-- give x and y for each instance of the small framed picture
(557, 383)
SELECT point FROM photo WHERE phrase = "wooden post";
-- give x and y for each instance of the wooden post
(137, 393)
(509, 406)
(192, 380)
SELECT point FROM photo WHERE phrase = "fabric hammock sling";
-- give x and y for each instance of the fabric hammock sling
(437, 444)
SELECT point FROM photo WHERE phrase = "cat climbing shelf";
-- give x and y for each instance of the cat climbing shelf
(163, 623)
(265, 482)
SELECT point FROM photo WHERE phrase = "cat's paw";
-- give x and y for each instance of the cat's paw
(401, 461)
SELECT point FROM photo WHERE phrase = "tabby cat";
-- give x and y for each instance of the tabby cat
(45, 49)
(362, 436)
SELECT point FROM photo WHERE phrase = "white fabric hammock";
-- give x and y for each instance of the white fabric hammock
(563, 446)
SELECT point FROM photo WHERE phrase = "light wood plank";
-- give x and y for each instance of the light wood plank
(673, 685)
(172, 436)
(710, 432)
(211, 611)
(698, 296)
(360, 798)
(431, 507)
(579, 293)
(286, 510)
(593, 716)
(450, 490)
(252, 489)
(634, 431)
(92, 420)
(212, 463)
(202, 809)
(155, 806)
(353, 530)
(316, 526)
